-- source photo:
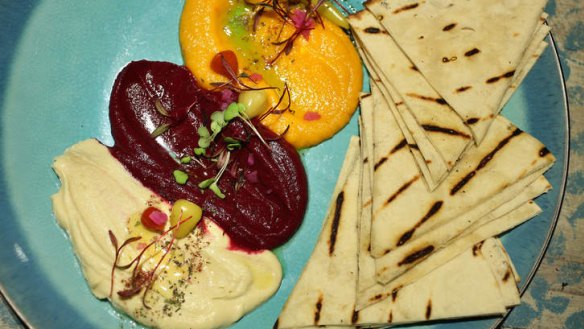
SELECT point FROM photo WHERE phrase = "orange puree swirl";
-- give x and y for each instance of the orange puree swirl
(323, 73)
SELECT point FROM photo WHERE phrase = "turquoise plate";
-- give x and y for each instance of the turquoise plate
(58, 60)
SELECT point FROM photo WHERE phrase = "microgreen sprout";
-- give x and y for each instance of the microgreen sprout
(140, 278)
(186, 159)
(219, 120)
(211, 183)
(232, 143)
(237, 110)
(225, 64)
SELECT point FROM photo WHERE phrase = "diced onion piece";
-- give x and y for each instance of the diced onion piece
(153, 219)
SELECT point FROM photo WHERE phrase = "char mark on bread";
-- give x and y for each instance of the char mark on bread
(336, 221)
(448, 131)
(502, 76)
(472, 52)
(373, 30)
(472, 121)
(416, 255)
(355, 317)
(440, 101)
(476, 249)
(403, 143)
(317, 309)
(484, 161)
(429, 309)
(379, 163)
(433, 211)
(448, 27)
(463, 89)
(401, 190)
(406, 8)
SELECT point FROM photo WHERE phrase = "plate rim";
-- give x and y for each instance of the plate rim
(23, 319)
(562, 188)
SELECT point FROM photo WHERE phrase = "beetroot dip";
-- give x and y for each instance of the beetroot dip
(265, 187)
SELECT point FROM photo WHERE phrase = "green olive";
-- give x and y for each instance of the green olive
(255, 102)
(330, 12)
(187, 214)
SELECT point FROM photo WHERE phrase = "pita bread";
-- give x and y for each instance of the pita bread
(533, 53)
(480, 176)
(438, 121)
(422, 114)
(310, 304)
(429, 162)
(452, 290)
(371, 291)
(495, 227)
(466, 58)
(366, 277)
(325, 292)
(503, 269)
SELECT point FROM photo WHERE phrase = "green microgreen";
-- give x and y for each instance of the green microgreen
(186, 159)
(199, 151)
(220, 119)
(232, 143)
(237, 110)
(211, 183)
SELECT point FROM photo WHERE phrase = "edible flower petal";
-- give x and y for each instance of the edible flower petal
(302, 22)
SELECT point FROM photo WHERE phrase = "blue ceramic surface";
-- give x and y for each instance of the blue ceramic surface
(58, 60)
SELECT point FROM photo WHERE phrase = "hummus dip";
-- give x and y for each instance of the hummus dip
(203, 282)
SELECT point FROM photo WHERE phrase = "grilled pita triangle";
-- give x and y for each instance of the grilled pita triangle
(468, 51)
(508, 156)
(437, 121)
(322, 296)
(466, 232)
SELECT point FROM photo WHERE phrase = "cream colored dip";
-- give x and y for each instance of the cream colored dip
(202, 283)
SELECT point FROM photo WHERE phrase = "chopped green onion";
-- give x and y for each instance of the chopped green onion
(180, 176)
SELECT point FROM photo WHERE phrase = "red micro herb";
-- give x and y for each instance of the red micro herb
(140, 278)
(303, 18)
(276, 108)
